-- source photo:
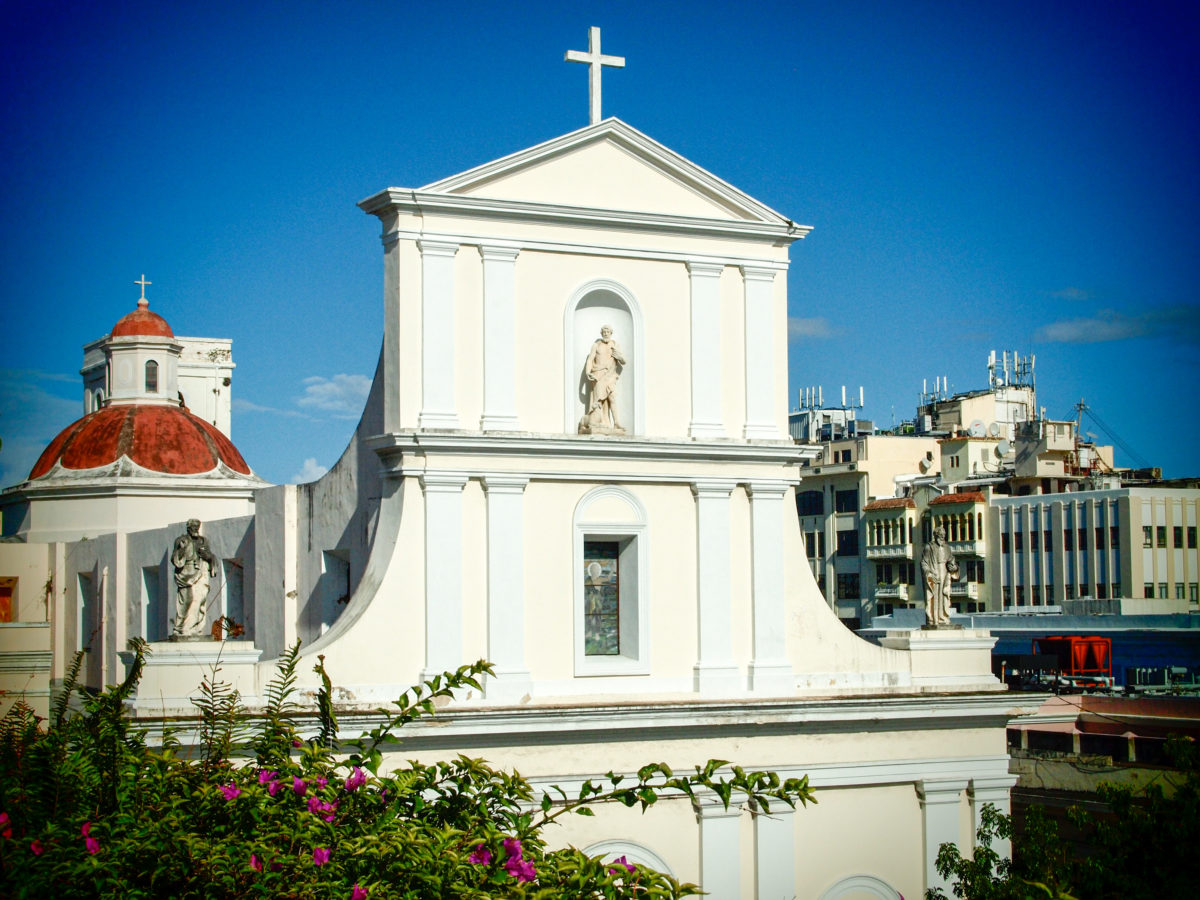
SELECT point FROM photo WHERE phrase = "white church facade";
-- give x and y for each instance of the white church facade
(608, 518)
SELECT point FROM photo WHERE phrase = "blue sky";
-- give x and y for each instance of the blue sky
(1023, 175)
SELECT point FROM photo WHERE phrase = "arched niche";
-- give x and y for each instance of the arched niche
(861, 886)
(592, 306)
(638, 854)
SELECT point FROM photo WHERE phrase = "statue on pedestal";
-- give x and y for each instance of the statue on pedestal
(604, 365)
(939, 568)
(194, 565)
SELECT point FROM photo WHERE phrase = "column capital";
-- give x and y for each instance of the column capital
(504, 484)
(498, 253)
(443, 482)
(758, 273)
(437, 248)
(767, 489)
(703, 268)
(713, 488)
(713, 807)
(940, 790)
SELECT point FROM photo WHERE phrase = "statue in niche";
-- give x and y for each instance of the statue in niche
(194, 565)
(939, 569)
(605, 363)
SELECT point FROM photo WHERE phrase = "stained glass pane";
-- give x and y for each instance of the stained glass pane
(602, 598)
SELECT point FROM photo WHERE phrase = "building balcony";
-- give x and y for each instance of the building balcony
(891, 592)
(968, 548)
(967, 589)
(890, 551)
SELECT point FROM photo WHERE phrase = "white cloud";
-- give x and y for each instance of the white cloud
(798, 328)
(1181, 322)
(343, 395)
(310, 471)
(240, 405)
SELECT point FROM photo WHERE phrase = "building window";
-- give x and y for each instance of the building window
(1068, 540)
(1081, 538)
(810, 544)
(151, 377)
(1147, 536)
(1162, 590)
(846, 501)
(1099, 537)
(1161, 534)
(1047, 541)
(1085, 590)
(1070, 592)
(1037, 595)
(1191, 537)
(1177, 534)
(8, 606)
(883, 609)
(602, 598)
(810, 503)
(1018, 541)
(1194, 592)
(847, 586)
(1004, 548)
(1101, 591)
(847, 543)
(1179, 590)
(1114, 537)
(611, 585)
(1148, 590)
(1020, 595)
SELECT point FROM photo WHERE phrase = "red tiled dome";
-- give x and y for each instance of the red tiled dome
(165, 439)
(142, 322)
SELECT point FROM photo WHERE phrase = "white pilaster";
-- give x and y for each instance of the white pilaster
(720, 849)
(715, 671)
(775, 854)
(391, 324)
(770, 671)
(940, 800)
(443, 571)
(706, 350)
(506, 588)
(499, 338)
(996, 791)
(437, 335)
(760, 354)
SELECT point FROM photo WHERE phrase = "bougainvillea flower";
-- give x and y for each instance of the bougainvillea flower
(321, 855)
(320, 781)
(231, 791)
(86, 830)
(274, 787)
(481, 857)
(93, 845)
(296, 742)
(520, 869)
(358, 893)
(255, 863)
(5, 825)
(356, 779)
(37, 848)
(512, 847)
(299, 786)
(266, 776)
(622, 862)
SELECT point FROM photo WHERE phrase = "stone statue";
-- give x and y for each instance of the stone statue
(939, 568)
(604, 365)
(194, 565)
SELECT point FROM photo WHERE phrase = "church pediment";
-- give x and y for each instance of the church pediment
(609, 165)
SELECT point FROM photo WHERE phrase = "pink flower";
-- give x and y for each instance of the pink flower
(266, 776)
(481, 857)
(320, 781)
(622, 862)
(356, 779)
(358, 893)
(512, 847)
(321, 856)
(520, 869)
(37, 848)
(255, 863)
(299, 786)
(274, 787)
(86, 830)
(231, 791)
(316, 806)
(5, 825)
(93, 845)
(296, 742)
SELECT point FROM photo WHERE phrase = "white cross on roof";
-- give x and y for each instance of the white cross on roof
(595, 60)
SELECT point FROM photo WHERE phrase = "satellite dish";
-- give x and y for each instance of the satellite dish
(923, 465)
(994, 429)
(977, 429)
(1003, 448)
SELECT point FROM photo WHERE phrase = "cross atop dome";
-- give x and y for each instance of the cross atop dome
(143, 303)
(595, 61)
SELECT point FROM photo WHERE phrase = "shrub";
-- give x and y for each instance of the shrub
(88, 809)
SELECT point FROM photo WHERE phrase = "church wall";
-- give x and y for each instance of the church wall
(733, 352)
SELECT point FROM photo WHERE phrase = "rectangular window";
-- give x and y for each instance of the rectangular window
(1114, 537)
(1068, 540)
(8, 605)
(1020, 595)
(1161, 534)
(1018, 540)
(1147, 536)
(810, 544)
(847, 586)
(1085, 590)
(1004, 548)
(1006, 593)
(1148, 590)
(1177, 534)
(847, 543)
(846, 501)
(1191, 537)
(1194, 592)
(1047, 542)
(1162, 590)
(810, 503)
(1081, 535)
(602, 598)
(1037, 595)
(1070, 592)
(821, 544)
(1179, 590)
(1099, 537)
(1102, 591)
